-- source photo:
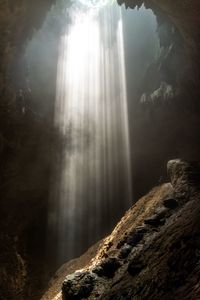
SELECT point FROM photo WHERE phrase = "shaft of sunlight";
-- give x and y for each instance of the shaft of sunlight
(91, 111)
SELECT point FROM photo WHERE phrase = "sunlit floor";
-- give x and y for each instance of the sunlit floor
(91, 111)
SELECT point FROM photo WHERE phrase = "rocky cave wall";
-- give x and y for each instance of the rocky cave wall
(24, 142)
(19, 19)
(27, 147)
(165, 112)
(153, 252)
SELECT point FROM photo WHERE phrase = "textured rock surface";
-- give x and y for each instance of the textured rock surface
(164, 262)
(26, 155)
(18, 20)
(21, 140)
(168, 95)
(78, 286)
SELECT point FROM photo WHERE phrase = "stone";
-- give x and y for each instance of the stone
(78, 286)
(98, 270)
(185, 177)
(107, 268)
(125, 251)
(133, 238)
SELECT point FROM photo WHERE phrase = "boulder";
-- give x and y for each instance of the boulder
(107, 268)
(125, 251)
(78, 286)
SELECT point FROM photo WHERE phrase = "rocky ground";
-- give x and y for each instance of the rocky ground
(153, 252)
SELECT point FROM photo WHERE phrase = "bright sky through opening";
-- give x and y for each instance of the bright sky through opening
(95, 3)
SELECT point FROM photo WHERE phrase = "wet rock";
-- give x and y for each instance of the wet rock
(107, 268)
(170, 203)
(78, 286)
(135, 267)
(125, 251)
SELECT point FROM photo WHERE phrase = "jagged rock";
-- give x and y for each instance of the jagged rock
(133, 238)
(165, 264)
(78, 286)
(185, 177)
(98, 270)
(163, 93)
(125, 251)
(107, 268)
(131, 4)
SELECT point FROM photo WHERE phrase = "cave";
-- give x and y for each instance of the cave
(99, 145)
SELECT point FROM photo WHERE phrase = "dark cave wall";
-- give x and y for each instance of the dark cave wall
(184, 15)
(29, 145)
(18, 20)
(164, 111)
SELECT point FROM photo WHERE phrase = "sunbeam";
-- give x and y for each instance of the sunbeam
(91, 111)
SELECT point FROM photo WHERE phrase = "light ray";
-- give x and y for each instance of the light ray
(91, 111)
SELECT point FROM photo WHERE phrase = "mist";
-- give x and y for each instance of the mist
(41, 56)
(149, 72)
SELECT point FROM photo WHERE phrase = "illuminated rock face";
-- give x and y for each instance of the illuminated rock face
(164, 263)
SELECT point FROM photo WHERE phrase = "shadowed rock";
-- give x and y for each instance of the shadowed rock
(155, 221)
(122, 295)
(107, 268)
(133, 238)
(170, 203)
(135, 267)
(78, 286)
(185, 177)
(165, 265)
(125, 251)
